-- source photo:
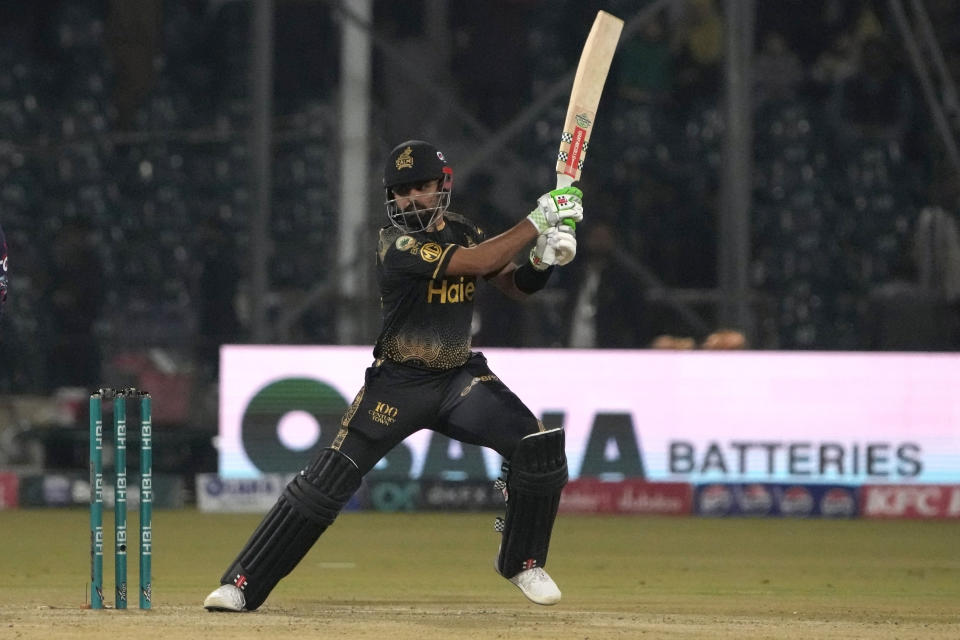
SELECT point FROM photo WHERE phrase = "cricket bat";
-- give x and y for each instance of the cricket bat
(585, 97)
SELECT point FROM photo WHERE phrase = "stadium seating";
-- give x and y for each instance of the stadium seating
(830, 221)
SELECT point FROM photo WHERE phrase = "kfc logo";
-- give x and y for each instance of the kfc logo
(920, 501)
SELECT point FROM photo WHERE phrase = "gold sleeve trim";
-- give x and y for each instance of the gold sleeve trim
(443, 259)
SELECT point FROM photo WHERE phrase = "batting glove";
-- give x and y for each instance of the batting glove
(557, 246)
(557, 207)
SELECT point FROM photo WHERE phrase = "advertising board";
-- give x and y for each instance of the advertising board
(661, 416)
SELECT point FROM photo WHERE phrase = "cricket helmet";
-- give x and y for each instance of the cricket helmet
(411, 163)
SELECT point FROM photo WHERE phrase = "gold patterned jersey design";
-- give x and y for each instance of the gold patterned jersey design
(426, 314)
(427, 350)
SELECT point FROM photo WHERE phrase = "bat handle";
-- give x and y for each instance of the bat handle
(564, 180)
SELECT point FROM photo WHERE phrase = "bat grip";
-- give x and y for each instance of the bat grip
(564, 180)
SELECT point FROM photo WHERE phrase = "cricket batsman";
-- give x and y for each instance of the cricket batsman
(425, 375)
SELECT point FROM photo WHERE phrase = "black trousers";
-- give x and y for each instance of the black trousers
(468, 403)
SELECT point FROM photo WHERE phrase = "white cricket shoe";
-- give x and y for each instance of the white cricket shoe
(536, 584)
(226, 597)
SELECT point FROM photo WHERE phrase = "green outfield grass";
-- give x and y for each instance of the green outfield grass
(430, 576)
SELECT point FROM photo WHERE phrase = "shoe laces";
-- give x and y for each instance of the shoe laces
(536, 575)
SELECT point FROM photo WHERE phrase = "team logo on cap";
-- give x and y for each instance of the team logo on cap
(405, 159)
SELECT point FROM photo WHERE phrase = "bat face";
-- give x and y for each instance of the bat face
(585, 96)
(573, 143)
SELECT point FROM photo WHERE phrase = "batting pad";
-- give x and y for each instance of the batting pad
(536, 476)
(309, 504)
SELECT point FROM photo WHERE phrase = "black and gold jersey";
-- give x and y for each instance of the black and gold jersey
(426, 314)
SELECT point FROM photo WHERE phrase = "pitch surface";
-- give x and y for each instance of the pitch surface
(430, 576)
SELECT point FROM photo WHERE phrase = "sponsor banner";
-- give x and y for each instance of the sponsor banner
(394, 495)
(910, 501)
(776, 500)
(750, 417)
(591, 495)
(468, 495)
(69, 490)
(235, 495)
(432, 495)
(252, 495)
(9, 489)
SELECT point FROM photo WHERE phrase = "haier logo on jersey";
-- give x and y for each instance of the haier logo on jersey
(446, 291)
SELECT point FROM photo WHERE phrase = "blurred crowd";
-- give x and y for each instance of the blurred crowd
(125, 194)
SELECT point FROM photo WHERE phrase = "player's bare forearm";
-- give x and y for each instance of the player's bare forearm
(504, 281)
(491, 256)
